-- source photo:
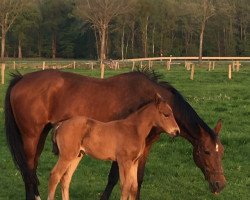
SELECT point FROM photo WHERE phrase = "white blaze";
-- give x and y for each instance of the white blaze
(217, 147)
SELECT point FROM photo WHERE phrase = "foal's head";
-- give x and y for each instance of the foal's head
(165, 118)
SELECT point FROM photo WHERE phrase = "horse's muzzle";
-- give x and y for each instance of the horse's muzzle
(217, 186)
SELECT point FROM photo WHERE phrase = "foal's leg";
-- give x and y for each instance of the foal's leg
(56, 175)
(126, 178)
(112, 181)
(143, 159)
(134, 184)
(66, 179)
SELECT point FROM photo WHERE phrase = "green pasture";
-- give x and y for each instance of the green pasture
(170, 171)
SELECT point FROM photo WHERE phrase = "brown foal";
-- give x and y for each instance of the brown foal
(122, 141)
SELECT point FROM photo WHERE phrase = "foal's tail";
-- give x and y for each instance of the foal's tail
(55, 148)
(12, 132)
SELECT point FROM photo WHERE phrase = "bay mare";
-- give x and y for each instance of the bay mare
(36, 100)
(122, 141)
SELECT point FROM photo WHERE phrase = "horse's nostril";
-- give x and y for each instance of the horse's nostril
(217, 184)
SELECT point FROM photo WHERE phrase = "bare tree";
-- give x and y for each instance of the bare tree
(9, 11)
(208, 11)
(100, 13)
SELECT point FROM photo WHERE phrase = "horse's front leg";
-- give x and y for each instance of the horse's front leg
(112, 181)
(143, 159)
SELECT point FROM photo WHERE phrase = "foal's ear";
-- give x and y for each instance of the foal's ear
(218, 126)
(158, 98)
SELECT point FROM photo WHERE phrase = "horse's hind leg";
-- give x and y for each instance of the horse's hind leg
(56, 175)
(66, 179)
(112, 181)
(30, 178)
(38, 153)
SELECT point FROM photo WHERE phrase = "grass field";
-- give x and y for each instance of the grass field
(170, 170)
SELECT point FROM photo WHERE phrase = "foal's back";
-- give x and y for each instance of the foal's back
(97, 139)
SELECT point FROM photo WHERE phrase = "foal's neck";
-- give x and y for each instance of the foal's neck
(144, 119)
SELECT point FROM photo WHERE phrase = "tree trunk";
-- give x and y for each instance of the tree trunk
(103, 49)
(39, 44)
(145, 39)
(153, 41)
(97, 46)
(19, 48)
(201, 42)
(3, 43)
(126, 49)
(133, 39)
(122, 41)
(161, 40)
(53, 45)
(218, 44)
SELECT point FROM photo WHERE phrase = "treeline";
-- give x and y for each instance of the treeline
(124, 29)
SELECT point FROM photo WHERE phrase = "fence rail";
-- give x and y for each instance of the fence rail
(194, 58)
(116, 64)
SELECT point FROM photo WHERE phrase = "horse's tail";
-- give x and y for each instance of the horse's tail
(13, 136)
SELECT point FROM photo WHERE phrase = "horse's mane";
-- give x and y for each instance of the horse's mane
(180, 105)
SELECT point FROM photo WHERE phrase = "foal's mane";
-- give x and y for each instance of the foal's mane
(187, 115)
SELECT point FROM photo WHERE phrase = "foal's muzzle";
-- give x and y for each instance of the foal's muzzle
(175, 133)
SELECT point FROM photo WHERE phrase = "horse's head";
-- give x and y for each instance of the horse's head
(207, 155)
(165, 116)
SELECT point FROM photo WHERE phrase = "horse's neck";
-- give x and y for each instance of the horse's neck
(144, 120)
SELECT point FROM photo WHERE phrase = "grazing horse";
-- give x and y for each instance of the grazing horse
(122, 141)
(36, 100)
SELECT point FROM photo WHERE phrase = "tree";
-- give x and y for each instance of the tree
(100, 13)
(26, 22)
(207, 10)
(54, 14)
(9, 11)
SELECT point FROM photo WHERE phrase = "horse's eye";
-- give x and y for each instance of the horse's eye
(207, 152)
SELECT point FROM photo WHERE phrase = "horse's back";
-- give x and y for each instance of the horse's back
(50, 96)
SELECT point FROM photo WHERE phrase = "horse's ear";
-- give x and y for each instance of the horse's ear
(218, 126)
(158, 98)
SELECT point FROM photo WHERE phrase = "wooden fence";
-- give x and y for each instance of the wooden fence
(116, 64)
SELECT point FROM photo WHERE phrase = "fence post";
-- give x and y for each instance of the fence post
(213, 64)
(233, 66)
(133, 67)
(2, 72)
(14, 65)
(141, 64)
(209, 65)
(192, 72)
(43, 65)
(168, 65)
(74, 64)
(229, 71)
(238, 66)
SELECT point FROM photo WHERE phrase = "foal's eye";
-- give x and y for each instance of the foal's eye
(166, 115)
